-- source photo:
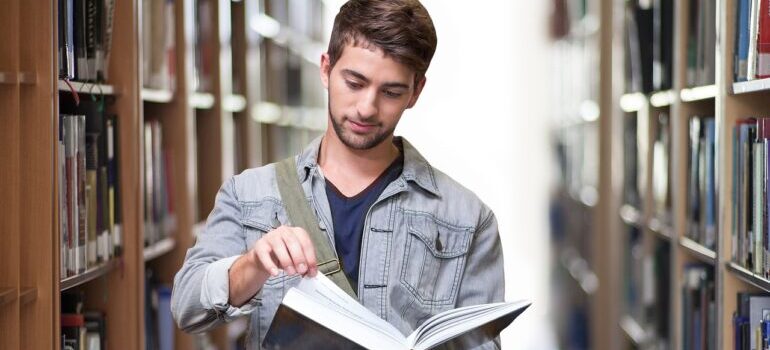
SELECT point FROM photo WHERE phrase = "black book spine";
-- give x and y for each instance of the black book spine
(81, 69)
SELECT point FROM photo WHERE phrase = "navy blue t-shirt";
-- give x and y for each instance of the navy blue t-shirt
(349, 214)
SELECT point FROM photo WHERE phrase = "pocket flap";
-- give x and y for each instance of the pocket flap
(265, 215)
(443, 240)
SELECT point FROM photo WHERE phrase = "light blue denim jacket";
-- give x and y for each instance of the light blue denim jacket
(429, 245)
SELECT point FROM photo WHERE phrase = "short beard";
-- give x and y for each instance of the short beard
(350, 140)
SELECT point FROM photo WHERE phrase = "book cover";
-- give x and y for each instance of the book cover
(742, 40)
(763, 40)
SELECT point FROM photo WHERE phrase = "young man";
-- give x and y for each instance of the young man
(411, 241)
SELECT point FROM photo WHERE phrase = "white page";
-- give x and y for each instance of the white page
(353, 329)
(440, 319)
(468, 322)
(323, 291)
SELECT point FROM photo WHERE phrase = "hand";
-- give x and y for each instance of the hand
(287, 248)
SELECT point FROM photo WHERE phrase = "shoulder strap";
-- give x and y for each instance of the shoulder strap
(301, 215)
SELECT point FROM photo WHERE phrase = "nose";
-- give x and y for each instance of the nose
(367, 105)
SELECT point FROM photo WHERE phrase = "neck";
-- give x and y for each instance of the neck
(344, 165)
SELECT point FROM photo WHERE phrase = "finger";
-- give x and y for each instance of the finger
(309, 250)
(264, 257)
(295, 251)
(280, 252)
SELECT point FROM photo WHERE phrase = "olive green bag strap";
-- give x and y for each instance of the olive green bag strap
(301, 215)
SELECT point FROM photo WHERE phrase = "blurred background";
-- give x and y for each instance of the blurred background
(622, 144)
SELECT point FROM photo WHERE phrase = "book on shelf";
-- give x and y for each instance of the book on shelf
(87, 208)
(750, 169)
(649, 45)
(158, 322)
(701, 182)
(84, 38)
(631, 159)
(661, 170)
(326, 317)
(751, 321)
(81, 329)
(158, 45)
(203, 55)
(701, 40)
(752, 40)
(158, 207)
(698, 307)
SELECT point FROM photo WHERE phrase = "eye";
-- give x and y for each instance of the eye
(353, 85)
(392, 94)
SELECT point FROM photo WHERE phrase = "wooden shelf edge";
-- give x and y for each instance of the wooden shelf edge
(630, 215)
(661, 230)
(7, 296)
(89, 275)
(234, 103)
(580, 271)
(88, 88)
(632, 102)
(633, 330)
(745, 87)
(747, 276)
(699, 251)
(698, 93)
(28, 295)
(202, 100)
(159, 248)
(663, 98)
(157, 95)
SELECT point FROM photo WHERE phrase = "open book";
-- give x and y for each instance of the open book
(319, 315)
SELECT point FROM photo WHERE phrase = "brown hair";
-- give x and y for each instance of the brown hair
(402, 29)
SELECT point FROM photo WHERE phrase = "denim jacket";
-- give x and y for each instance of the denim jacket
(429, 245)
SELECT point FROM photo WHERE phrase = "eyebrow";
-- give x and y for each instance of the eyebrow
(361, 77)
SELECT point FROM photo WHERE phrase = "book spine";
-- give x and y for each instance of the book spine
(91, 197)
(114, 188)
(81, 58)
(751, 70)
(170, 47)
(109, 14)
(763, 40)
(742, 41)
(91, 23)
(757, 207)
(710, 184)
(82, 262)
(70, 149)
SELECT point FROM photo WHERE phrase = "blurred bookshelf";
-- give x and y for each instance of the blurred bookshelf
(686, 104)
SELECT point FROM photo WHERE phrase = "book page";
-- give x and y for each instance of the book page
(320, 299)
(444, 327)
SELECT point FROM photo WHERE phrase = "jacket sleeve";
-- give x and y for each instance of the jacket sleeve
(199, 301)
(483, 280)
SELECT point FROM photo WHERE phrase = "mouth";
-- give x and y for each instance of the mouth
(361, 128)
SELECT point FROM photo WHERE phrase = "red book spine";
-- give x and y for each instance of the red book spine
(763, 40)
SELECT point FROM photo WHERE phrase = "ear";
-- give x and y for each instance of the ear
(417, 90)
(325, 70)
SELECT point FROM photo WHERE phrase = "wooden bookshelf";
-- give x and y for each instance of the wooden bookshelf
(198, 131)
(724, 99)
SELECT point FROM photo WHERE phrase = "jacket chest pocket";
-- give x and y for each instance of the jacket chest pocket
(434, 259)
(258, 219)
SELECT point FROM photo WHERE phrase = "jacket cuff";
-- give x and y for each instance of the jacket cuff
(215, 291)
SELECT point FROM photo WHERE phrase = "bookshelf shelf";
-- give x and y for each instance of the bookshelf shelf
(633, 330)
(749, 277)
(631, 215)
(267, 26)
(661, 230)
(297, 117)
(745, 87)
(157, 96)
(579, 269)
(88, 88)
(663, 98)
(699, 251)
(202, 100)
(7, 296)
(698, 93)
(89, 275)
(159, 249)
(632, 102)
(234, 103)
(27, 295)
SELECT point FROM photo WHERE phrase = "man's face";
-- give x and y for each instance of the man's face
(368, 92)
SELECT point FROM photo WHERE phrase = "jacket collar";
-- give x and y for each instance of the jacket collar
(416, 168)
